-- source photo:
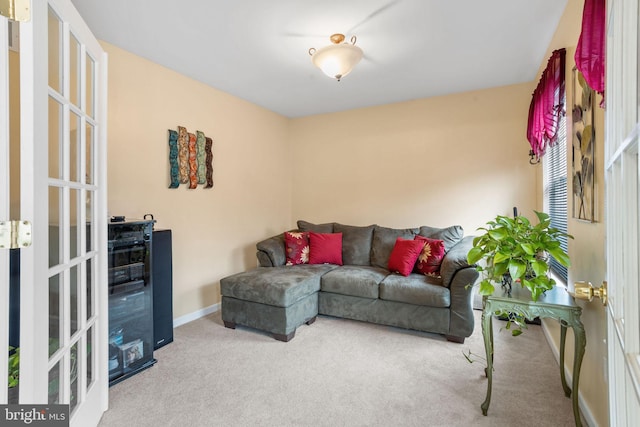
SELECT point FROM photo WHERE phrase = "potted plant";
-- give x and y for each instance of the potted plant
(515, 250)
(14, 373)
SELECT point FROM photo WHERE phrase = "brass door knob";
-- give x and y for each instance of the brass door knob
(586, 291)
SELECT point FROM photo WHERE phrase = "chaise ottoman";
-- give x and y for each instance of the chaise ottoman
(273, 299)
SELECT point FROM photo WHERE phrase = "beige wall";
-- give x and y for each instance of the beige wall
(458, 159)
(214, 230)
(587, 250)
(435, 161)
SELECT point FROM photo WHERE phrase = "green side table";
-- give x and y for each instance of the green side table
(556, 304)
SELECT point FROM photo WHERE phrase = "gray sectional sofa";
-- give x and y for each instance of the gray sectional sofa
(277, 298)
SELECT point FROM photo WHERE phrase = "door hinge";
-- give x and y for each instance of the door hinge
(16, 10)
(15, 234)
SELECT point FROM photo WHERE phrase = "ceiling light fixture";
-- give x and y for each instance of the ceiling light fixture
(338, 59)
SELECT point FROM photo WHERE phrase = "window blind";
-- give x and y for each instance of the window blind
(555, 190)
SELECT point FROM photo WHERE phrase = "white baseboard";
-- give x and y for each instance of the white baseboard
(179, 321)
(587, 414)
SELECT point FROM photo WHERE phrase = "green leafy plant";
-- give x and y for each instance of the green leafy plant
(14, 366)
(515, 249)
(472, 357)
(516, 321)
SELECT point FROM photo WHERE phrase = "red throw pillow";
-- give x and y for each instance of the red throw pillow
(431, 257)
(296, 247)
(325, 248)
(404, 255)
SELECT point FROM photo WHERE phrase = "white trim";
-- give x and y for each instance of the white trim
(622, 180)
(99, 218)
(34, 125)
(585, 409)
(4, 203)
(632, 138)
(179, 321)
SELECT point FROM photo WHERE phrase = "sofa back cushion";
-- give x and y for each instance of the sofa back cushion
(384, 239)
(356, 243)
(450, 235)
(316, 228)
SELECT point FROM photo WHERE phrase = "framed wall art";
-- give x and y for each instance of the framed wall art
(583, 148)
(190, 159)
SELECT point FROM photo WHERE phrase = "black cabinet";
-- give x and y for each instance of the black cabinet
(162, 288)
(131, 341)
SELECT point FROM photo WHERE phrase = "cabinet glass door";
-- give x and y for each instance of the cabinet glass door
(130, 299)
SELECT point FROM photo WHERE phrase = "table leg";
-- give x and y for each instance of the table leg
(563, 339)
(487, 334)
(580, 343)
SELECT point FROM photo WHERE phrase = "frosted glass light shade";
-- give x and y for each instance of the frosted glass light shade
(337, 60)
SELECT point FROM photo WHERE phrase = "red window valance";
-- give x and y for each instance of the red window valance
(590, 52)
(547, 105)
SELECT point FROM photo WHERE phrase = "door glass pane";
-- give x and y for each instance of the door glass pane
(74, 292)
(90, 358)
(89, 153)
(74, 147)
(55, 139)
(55, 51)
(618, 201)
(74, 231)
(54, 314)
(89, 288)
(55, 235)
(74, 377)
(90, 87)
(89, 221)
(54, 384)
(74, 70)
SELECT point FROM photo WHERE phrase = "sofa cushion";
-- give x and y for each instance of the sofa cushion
(316, 228)
(383, 242)
(325, 248)
(404, 255)
(296, 247)
(278, 286)
(359, 281)
(356, 243)
(415, 289)
(450, 235)
(431, 256)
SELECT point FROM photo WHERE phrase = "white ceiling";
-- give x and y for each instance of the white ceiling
(258, 50)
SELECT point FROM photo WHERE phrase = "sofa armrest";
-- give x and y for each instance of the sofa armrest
(460, 277)
(455, 260)
(461, 321)
(271, 251)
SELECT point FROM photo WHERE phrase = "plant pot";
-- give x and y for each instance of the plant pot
(13, 395)
(507, 281)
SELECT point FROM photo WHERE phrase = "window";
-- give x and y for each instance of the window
(554, 165)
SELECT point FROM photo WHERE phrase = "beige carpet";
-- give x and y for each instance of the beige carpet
(340, 373)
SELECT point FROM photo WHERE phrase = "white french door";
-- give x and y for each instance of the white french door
(4, 202)
(622, 184)
(62, 181)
